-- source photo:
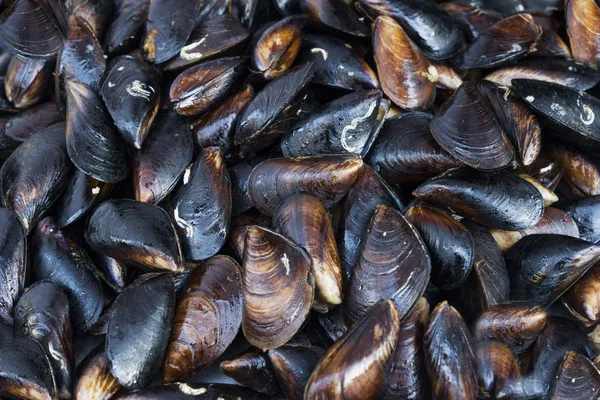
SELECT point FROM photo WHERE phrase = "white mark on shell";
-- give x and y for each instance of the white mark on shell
(120, 69)
(507, 93)
(286, 263)
(186, 176)
(352, 126)
(384, 234)
(89, 48)
(323, 52)
(189, 230)
(186, 52)
(350, 73)
(95, 190)
(186, 389)
(348, 45)
(558, 108)
(139, 89)
(530, 99)
(111, 85)
(589, 116)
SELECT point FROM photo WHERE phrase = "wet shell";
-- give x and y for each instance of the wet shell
(240, 175)
(277, 288)
(337, 15)
(401, 66)
(577, 378)
(582, 18)
(581, 175)
(13, 262)
(33, 120)
(582, 298)
(586, 214)
(545, 169)
(496, 365)
(239, 227)
(26, 81)
(94, 380)
(133, 231)
(476, 19)
(97, 13)
(125, 31)
(253, 370)
(113, 272)
(138, 329)
(293, 366)
(368, 346)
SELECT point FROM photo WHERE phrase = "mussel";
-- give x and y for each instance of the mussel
(26, 81)
(496, 365)
(293, 366)
(584, 214)
(124, 32)
(577, 378)
(582, 299)
(82, 194)
(253, 370)
(582, 17)
(13, 264)
(94, 380)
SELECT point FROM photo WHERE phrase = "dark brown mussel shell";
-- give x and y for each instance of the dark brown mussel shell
(496, 365)
(466, 126)
(277, 47)
(133, 231)
(138, 329)
(94, 380)
(240, 225)
(586, 214)
(498, 199)
(278, 288)
(304, 220)
(213, 36)
(582, 298)
(58, 258)
(407, 377)
(169, 25)
(368, 346)
(33, 120)
(543, 267)
(554, 70)
(97, 13)
(450, 355)
(125, 30)
(131, 94)
(160, 163)
(201, 206)
(13, 263)
(253, 370)
(581, 175)
(402, 68)
(545, 169)
(42, 314)
(267, 117)
(345, 125)
(336, 15)
(33, 28)
(405, 151)
(551, 43)
(27, 81)
(577, 378)
(475, 19)
(553, 221)
(201, 87)
(328, 55)
(327, 177)
(207, 318)
(393, 263)
(93, 143)
(582, 18)
(217, 127)
(515, 324)
(183, 391)
(26, 371)
(420, 19)
(293, 366)
(449, 243)
(35, 174)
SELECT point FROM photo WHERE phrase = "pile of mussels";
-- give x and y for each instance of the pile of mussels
(302, 199)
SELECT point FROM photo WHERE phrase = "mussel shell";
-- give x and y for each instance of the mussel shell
(130, 230)
(582, 298)
(94, 380)
(550, 44)
(345, 125)
(138, 329)
(586, 214)
(240, 175)
(326, 52)
(93, 144)
(264, 119)
(33, 120)
(327, 177)
(169, 26)
(449, 243)
(368, 346)
(183, 391)
(581, 175)
(496, 365)
(97, 13)
(239, 227)
(125, 31)
(131, 94)
(35, 174)
(253, 370)
(304, 220)
(450, 355)
(278, 288)
(200, 87)
(577, 378)
(207, 318)
(582, 18)
(393, 263)
(293, 366)
(466, 127)
(337, 15)
(543, 267)
(42, 314)
(13, 263)
(201, 206)
(496, 199)
(401, 66)
(26, 81)
(476, 20)
(167, 151)
(545, 169)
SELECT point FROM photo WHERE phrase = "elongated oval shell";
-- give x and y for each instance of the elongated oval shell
(582, 18)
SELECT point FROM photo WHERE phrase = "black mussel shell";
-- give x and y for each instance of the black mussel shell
(582, 298)
(543, 267)
(430, 26)
(450, 355)
(577, 378)
(293, 366)
(97, 13)
(393, 263)
(58, 258)
(344, 125)
(253, 370)
(550, 44)
(496, 199)
(337, 15)
(131, 94)
(33, 120)
(581, 175)
(333, 324)
(496, 365)
(114, 272)
(35, 174)
(327, 177)
(450, 245)
(93, 143)
(475, 20)
(545, 169)
(288, 7)
(169, 25)
(200, 87)
(466, 126)
(94, 380)
(213, 8)
(132, 231)
(42, 314)
(268, 114)
(586, 214)
(27, 81)
(201, 205)
(138, 329)
(160, 163)
(582, 18)
(13, 263)
(240, 176)
(125, 31)
(182, 391)
(405, 151)
(328, 55)
(369, 347)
